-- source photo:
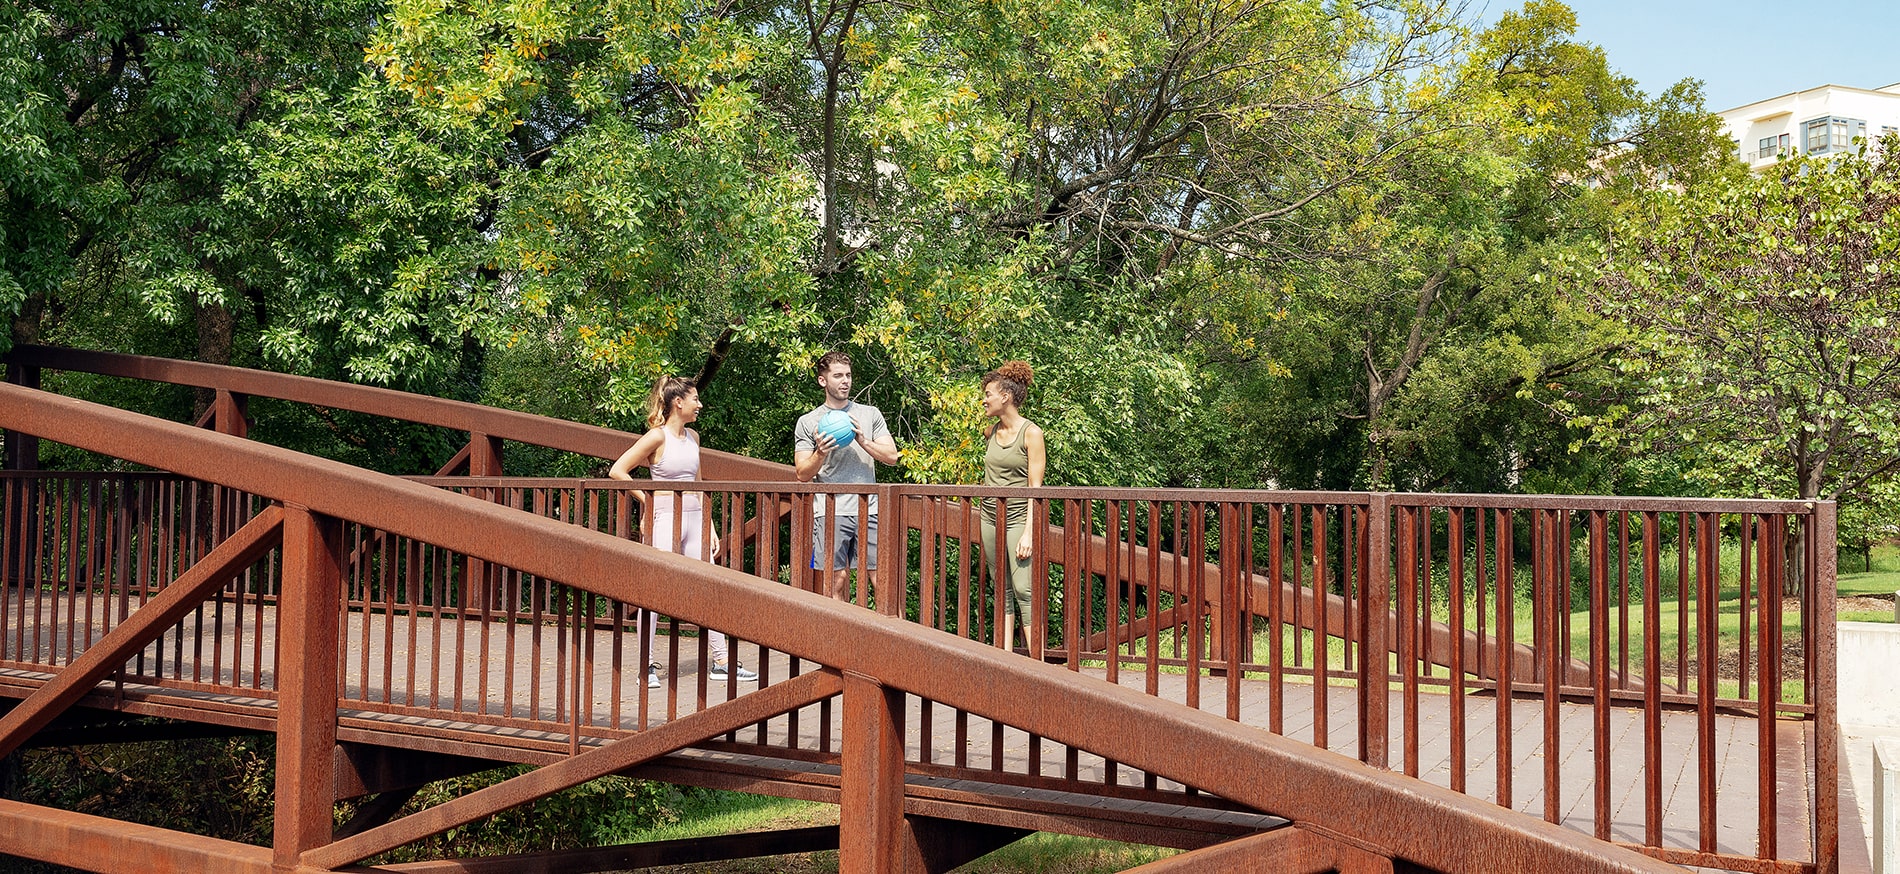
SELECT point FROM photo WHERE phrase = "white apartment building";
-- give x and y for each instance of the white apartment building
(1818, 121)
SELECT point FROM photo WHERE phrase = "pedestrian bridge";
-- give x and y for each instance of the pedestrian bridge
(1267, 680)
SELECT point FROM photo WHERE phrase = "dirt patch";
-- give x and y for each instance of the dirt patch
(1728, 664)
(1864, 604)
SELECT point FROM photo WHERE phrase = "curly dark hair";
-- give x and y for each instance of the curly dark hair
(829, 358)
(1013, 378)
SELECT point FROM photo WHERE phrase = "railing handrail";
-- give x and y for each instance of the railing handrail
(736, 470)
(591, 440)
(1440, 500)
(1326, 790)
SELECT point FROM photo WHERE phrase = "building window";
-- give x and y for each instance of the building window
(1769, 147)
(1817, 135)
(1832, 134)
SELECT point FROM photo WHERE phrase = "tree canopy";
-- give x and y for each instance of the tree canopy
(1763, 342)
(1296, 243)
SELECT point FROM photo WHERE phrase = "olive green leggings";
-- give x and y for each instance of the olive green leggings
(1016, 595)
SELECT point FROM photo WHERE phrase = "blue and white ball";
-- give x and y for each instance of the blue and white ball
(837, 425)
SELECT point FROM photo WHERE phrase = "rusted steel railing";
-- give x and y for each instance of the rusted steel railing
(1632, 635)
(1258, 605)
(1602, 617)
(345, 546)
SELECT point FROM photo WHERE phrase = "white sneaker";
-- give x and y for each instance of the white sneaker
(719, 672)
(653, 676)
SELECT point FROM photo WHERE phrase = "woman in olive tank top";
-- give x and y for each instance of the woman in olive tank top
(1013, 456)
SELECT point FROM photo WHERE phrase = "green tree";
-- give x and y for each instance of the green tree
(1764, 330)
(1421, 346)
(115, 150)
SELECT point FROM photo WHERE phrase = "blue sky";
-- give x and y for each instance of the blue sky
(1742, 51)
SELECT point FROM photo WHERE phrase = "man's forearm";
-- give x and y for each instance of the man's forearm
(883, 451)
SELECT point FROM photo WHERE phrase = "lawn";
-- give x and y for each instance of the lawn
(704, 813)
(1866, 596)
(1878, 578)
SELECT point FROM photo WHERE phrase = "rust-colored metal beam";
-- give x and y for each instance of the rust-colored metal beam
(108, 846)
(686, 851)
(457, 463)
(367, 769)
(575, 770)
(1290, 850)
(376, 811)
(199, 582)
(1000, 808)
(1821, 563)
(228, 414)
(484, 455)
(307, 608)
(936, 846)
(871, 811)
(500, 424)
(22, 450)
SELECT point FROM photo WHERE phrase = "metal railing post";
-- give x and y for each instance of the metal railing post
(307, 683)
(484, 454)
(1821, 558)
(871, 799)
(1375, 640)
(22, 451)
(229, 414)
(893, 565)
(479, 591)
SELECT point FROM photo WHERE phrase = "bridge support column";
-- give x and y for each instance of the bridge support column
(871, 832)
(307, 684)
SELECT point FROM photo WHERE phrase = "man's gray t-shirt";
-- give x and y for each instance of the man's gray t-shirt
(852, 464)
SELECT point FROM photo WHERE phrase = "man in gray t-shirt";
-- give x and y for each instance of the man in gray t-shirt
(836, 546)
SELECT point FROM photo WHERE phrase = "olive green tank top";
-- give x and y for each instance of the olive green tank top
(1007, 465)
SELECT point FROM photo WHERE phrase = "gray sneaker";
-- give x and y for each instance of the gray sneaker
(719, 672)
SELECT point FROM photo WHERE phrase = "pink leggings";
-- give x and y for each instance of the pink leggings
(689, 545)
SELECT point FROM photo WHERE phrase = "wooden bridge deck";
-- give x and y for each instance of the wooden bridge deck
(521, 708)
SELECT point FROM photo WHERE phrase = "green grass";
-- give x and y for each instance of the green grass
(1064, 854)
(1879, 581)
(704, 813)
(1877, 577)
(701, 813)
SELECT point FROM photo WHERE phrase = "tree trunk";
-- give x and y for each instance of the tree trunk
(831, 57)
(1808, 473)
(27, 322)
(715, 359)
(1380, 388)
(215, 329)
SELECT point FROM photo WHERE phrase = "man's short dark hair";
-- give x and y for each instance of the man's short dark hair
(830, 358)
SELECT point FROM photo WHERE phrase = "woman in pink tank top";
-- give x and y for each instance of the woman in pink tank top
(671, 451)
